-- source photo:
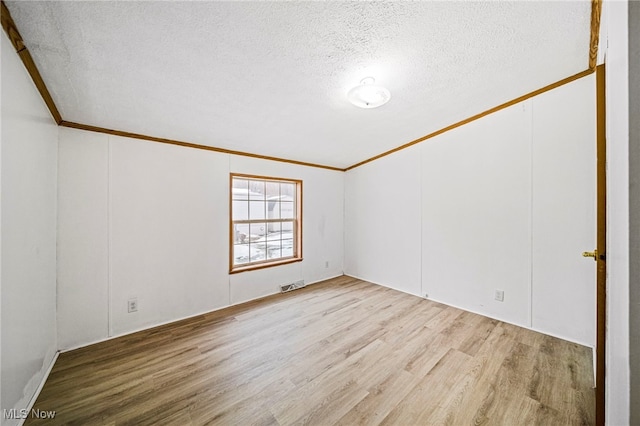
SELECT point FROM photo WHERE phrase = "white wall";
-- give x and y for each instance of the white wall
(617, 89)
(28, 205)
(150, 221)
(634, 209)
(168, 232)
(488, 206)
(564, 211)
(83, 247)
(476, 191)
(382, 221)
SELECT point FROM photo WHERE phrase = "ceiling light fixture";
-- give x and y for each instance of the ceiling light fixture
(368, 95)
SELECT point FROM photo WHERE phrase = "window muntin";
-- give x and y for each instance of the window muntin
(266, 222)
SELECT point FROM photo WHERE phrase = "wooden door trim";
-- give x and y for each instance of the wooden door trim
(594, 38)
(601, 243)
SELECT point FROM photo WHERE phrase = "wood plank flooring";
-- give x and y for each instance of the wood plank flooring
(342, 352)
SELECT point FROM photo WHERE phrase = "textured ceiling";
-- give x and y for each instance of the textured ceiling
(271, 78)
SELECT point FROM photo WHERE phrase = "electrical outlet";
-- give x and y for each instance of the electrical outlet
(132, 305)
(326, 264)
(499, 295)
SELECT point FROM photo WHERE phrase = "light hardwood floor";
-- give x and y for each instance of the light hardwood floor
(340, 352)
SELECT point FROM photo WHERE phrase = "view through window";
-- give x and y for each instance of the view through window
(265, 221)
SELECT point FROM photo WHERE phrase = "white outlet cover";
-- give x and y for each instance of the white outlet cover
(132, 305)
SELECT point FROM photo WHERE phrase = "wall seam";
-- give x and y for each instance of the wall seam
(55, 236)
(344, 221)
(109, 217)
(57, 208)
(421, 226)
(633, 50)
(531, 200)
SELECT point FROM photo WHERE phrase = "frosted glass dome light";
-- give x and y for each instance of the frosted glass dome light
(368, 95)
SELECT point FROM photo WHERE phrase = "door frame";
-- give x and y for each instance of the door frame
(601, 245)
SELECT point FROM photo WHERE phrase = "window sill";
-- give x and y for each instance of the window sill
(256, 266)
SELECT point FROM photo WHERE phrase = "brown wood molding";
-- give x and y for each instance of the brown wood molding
(477, 116)
(10, 28)
(97, 129)
(594, 41)
(264, 265)
(12, 32)
(601, 245)
(27, 60)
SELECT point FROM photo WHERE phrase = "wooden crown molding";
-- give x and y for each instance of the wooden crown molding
(97, 129)
(596, 6)
(477, 116)
(12, 32)
(10, 28)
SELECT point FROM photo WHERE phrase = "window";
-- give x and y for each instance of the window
(266, 222)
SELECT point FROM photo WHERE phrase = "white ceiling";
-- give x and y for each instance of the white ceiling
(271, 77)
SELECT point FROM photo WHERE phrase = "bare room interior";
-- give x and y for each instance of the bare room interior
(399, 213)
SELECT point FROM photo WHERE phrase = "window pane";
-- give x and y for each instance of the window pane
(258, 251)
(241, 233)
(259, 246)
(240, 210)
(287, 248)
(273, 208)
(274, 231)
(288, 190)
(240, 189)
(241, 254)
(287, 229)
(275, 250)
(256, 209)
(273, 189)
(287, 209)
(256, 188)
(257, 230)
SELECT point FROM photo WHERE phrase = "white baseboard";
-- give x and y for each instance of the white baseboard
(478, 313)
(383, 285)
(36, 394)
(84, 345)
